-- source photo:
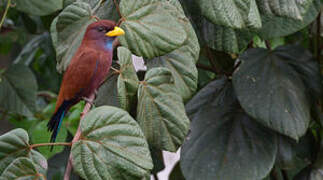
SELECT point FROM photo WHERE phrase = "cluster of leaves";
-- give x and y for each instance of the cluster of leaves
(253, 107)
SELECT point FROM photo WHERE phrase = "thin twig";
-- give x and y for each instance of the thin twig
(268, 45)
(273, 174)
(204, 67)
(77, 136)
(155, 176)
(50, 144)
(285, 175)
(210, 56)
(318, 38)
(5, 13)
(117, 7)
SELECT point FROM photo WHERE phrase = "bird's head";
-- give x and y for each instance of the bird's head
(103, 32)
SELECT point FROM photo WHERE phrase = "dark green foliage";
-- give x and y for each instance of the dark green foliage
(249, 72)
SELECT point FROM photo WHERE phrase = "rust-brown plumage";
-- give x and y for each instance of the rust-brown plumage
(86, 71)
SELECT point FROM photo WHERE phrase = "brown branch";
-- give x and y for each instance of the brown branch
(285, 175)
(318, 38)
(117, 7)
(210, 56)
(204, 67)
(268, 45)
(5, 13)
(50, 144)
(77, 136)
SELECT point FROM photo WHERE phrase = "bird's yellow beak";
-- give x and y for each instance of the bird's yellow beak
(116, 32)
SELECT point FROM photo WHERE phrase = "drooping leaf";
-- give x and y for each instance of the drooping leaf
(18, 88)
(28, 53)
(273, 91)
(15, 144)
(127, 81)
(158, 160)
(235, 14)
(40, 134)
(160, 107)
(22, 168)
(277, 26)
(111, 143)
(39, 8)
(73, 118)
(224, 142)
(181, 62)
(150, 28)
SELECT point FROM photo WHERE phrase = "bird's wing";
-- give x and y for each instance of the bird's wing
(79, 75)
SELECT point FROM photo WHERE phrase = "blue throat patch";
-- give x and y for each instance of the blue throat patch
(109, 45)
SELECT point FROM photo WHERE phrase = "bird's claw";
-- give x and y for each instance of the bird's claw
(87, 100)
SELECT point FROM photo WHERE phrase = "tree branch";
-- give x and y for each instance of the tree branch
(268, 45)
(77, 136)
(117, 7)
(50, 144)
(5, 13)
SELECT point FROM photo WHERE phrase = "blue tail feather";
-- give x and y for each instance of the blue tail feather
(56, 121)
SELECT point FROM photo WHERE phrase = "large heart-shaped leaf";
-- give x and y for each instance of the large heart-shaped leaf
(22, 168)
(234, 13)
(224, 142)
(217, 37)
(273, 91)
(18, 88)
(40, 134)
(181, 62)
(15, 144)
(127, 81)
(150, 28)
(277, 26)
(39, 8)
(160, 107)
(112, 146)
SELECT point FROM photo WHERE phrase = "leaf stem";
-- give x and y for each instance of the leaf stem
(77, 136)
(50, 144)
(211, 59)
(318, 38)
(5, 13)
(273, 174)
(268, 45)
(117, 7)
(204, 67)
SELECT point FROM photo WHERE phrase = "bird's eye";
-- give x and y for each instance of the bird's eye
(100, 29)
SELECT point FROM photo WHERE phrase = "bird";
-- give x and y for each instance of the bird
(87, 70)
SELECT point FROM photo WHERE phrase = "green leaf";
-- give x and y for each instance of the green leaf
(108, 11)
(176, 173)
(273, 91)
(127, 81)
(236, 14)
(290, 9)
(158, 161)
(150, 29)
(27, 54)
(277, 26)
(181, 62)
(15, 144)
(108, 92)
(39, 8)
(40, 134)
(225, 39)
(111, 142)
(68, 31)
(22, 168)
(18, 89)
(292, 154)
(160, 107)
(224, 142)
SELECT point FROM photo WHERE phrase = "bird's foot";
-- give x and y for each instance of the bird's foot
(87, 100)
